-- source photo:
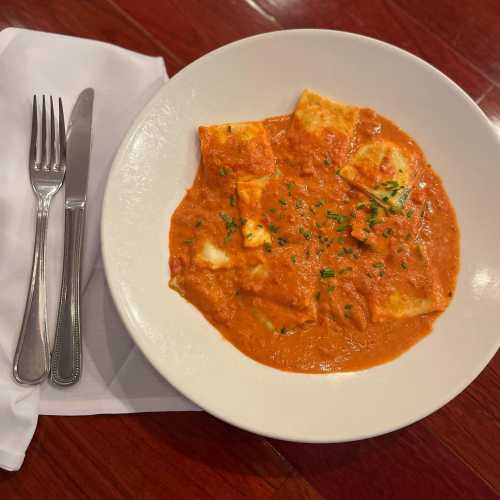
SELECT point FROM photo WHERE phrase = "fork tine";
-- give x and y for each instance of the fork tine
(52, 157)
(43, 161)
(34, 133)
(62, 136)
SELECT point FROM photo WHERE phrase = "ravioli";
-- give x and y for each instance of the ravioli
(212, 257)
(383, 170)
(400, 305)
(249, 203)
(239, 149)
(326, 125)
(240, 154)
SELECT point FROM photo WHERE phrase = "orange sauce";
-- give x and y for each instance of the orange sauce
(303, 318)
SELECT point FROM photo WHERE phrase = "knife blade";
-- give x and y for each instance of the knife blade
(66, 360)
(78, 150)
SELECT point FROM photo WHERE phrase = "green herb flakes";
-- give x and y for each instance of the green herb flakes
(387, 232)
(224, 171)
(327, 272)
(347, 311)
(305, 234)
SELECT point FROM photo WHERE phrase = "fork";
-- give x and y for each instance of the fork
(31, 361)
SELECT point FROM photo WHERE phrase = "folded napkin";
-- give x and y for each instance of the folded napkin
(115, 377)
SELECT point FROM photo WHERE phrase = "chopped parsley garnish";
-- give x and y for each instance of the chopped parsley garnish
(327, 161)
(224, 171)
(378, 265)
(341, 252)
(347, 311)
(282, 330)
(319, 203)
(299, 204)
(330, 289)
(404, 265)
(231, 225)
(402, 199)
(273, 228)
(283, 202)
(249, 236)
(305, 234)
(340, 240)
(370, 275)
(348, 250)
(345, 270)
(267, 247)
(282, 242)
(372, 218)
(359, 206)
(232, 200)
(387, 232)
(327, 272)
(188, 242)
(272, 210)
(341, 219)
(289, 186)
(342, 227)
(293, 258)
(381, 274)
(391, 185)
(409, 213)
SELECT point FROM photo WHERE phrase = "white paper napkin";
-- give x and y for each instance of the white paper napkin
(116, 378)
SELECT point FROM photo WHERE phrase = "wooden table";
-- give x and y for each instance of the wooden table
(453, 453)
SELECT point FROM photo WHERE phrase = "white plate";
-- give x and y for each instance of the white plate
(263, 76)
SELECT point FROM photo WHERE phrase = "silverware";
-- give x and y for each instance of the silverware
(66, 362)
(31, 361)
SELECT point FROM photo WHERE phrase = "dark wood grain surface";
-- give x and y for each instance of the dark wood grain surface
(454, 453)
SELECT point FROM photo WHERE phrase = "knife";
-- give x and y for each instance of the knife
(66, 360)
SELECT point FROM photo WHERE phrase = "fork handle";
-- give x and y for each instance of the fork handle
(66, 359)
(31, 360)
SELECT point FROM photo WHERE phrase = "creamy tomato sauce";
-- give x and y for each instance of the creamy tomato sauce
(335, 265)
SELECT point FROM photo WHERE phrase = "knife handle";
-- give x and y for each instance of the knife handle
(66, 361)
